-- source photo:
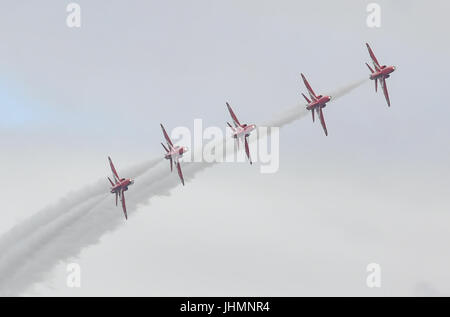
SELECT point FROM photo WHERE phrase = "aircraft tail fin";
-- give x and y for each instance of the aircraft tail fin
(306, 98)
(370, 68)
(167, 151)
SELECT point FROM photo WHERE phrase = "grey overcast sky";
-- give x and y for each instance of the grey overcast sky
(375, 190)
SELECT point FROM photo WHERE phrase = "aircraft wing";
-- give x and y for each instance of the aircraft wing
(322, 121)
(385, 91)
(180, 174)
(113, 169)
(166, 136)
(233, 116)
(247, 150)
(310, 90)
(124, 207)
(374, 59)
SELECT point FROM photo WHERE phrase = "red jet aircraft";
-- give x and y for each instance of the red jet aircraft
(316, 103)
(241, 131)
(380, 74)
(120, 186)
(173, 153)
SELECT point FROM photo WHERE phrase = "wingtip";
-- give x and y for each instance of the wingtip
(303, 77)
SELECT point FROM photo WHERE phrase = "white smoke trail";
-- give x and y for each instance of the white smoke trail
(34, 232)
(66, 204)
(345, 90)
(31, 249)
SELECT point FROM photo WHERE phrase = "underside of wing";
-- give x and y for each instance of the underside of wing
(124, 207)
(180, 173)
(233, 116)
(113, 169)
(166, 136)
(247, 150)
(322, 121)
(311, 92)
(385, 91)
(372, 56)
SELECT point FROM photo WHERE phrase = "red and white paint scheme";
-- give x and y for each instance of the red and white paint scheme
(241, 131)
(173, 153)
(317, 103)
(119, 186)
(380, 74)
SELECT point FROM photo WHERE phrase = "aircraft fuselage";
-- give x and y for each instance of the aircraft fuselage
(123, 183)
(319, 103)
(383, 72)
(243, 131)
(176, 153)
